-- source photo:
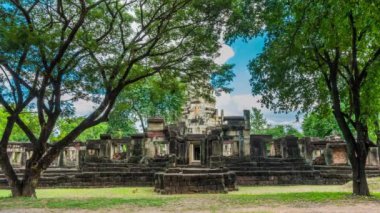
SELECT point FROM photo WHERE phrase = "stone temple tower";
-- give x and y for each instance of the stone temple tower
(198, 114)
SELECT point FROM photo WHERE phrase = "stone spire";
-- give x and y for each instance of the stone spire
(199, 113)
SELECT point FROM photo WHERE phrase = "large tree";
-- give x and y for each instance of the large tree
(53, 53)
(318, 53)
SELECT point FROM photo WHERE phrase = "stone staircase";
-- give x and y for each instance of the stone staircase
(274, 171)
(50, 177)
(343, 174)
(95, 175)
(265, 171)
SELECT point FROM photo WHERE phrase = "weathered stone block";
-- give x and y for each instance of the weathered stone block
(192, 180)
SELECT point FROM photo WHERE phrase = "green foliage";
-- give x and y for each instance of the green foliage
(17, 134)
(278, 131)
(54, 53)
(65, 125)
(303, 38)
(221, 79)
(117, 45)
(317, 124)
(151, 97)
(258, 122)
(259, 125)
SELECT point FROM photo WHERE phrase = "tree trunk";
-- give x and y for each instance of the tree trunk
(25, 189)
(358, 158)
(359, 178)
(378, 145)
(27, 186)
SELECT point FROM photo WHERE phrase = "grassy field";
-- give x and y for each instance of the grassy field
(143, 199)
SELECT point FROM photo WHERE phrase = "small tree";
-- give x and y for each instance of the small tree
(258, 122)
(55, 52)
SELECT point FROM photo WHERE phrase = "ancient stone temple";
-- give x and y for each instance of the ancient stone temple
(205, 151)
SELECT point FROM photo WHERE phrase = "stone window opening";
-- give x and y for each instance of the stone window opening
(162, 149)
(227, 149)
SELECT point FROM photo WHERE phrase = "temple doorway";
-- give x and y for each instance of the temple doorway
(195, 154)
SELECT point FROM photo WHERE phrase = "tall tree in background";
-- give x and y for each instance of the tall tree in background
(258, 122)
(148, 98)
(278, 131)
(259, 125)
(318, 53)
(318, 124)
(58, 52)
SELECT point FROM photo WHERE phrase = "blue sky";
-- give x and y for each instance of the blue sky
(240, 53)
(244, 52)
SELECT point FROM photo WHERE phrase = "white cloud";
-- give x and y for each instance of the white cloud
(225, 53)
(235, 104)
(83, 107)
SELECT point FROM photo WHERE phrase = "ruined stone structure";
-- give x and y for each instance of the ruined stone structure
(332, 151)
(70, 158)
(204, 152)
(195, 180)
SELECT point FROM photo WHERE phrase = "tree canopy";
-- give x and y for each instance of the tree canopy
(318, 54)
(53, 53)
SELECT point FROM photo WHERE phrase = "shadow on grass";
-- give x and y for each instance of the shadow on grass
(90, 203)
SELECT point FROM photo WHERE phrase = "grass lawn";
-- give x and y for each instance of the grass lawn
(144, 199)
